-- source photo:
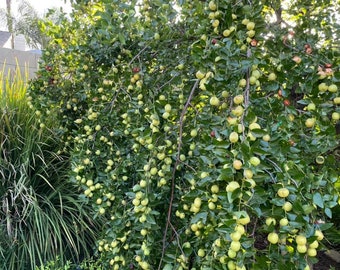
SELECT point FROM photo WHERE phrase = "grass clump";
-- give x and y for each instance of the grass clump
(41, 215)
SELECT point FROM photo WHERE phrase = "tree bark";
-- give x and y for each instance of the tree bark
(10, 21)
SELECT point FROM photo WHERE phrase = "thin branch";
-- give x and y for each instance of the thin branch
(137, 55)
(179, 147)
(246, 94)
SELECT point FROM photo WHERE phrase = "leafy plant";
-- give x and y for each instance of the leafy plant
(204, 132)
(88, 264)
(40, 213)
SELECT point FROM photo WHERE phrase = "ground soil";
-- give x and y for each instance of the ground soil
(325, 262)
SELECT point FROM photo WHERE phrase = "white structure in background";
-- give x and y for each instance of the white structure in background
(19, 41)
(21, 55)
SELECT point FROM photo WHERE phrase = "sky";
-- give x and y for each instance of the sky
(40, 5)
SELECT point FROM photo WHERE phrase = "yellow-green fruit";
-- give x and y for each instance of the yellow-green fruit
(232, 121)
(182, 157)
(225, 94)
(311, 252)
(240, 228)
(301, 248)
(332, 88)
(254, 126)
(283, 192)
(250, 25)
(252, 80)
(238, 99)
(310, 122)
(270, 221)
(211, 15)
(167, 108)
(226, 33)
(251, 33)
(214, 189)
(235, 236)
(301, 239)
(323, 87)
(245, 21)
(193, 133)
(223, 259)
(197, 202)
(235, 246)
(212, 6)
(214, 101)
(201, 252)
(248, 174)
(314, 244)
(211, 206)
(153, 171)
(336, 100)
(244, 220)
(284, 222)
(238, 111)
(266, 138)
(156, 36)
(256, 74)
(231, 253)
(233, 185)
(231, 265)
(215, 23)
(287, 206)
(243, 82)
(255, 161)
(320, 160)
(237, 164)
(272, 77)
(335, 116)
(233, 137)
(200, 75)
(311, 107)
(273, 238)
(319, 235)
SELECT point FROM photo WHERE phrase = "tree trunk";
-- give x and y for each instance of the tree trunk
(10, 21)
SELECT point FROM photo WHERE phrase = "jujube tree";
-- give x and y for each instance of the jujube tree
(204, 131)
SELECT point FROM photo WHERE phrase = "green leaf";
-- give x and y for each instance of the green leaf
(258, 133)
(328, 212)
(317, 199)
(226, 174)
(201, 216)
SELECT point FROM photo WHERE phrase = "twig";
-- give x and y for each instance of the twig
(246, 94)
(177, 236)
(137, 55)
(179, 147)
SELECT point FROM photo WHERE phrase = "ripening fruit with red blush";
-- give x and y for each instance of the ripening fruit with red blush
(135, 69)
(286, 102)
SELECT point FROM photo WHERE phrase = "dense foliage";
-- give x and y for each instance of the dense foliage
(205, 132)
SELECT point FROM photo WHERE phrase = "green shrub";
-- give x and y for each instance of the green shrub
(88, 264)
(204, 133)
(40, 212)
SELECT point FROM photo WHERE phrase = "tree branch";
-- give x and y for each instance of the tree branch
(179, 147)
